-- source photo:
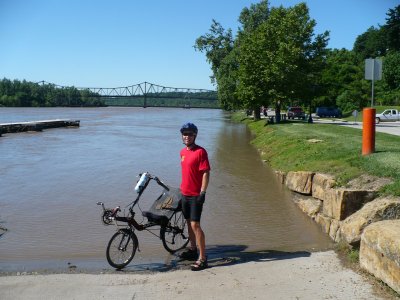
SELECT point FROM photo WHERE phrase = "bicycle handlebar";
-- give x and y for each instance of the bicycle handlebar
(156, 179)
(161, 183)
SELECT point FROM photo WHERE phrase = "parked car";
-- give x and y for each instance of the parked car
(388, 115)
(330, 112)
(296, 112)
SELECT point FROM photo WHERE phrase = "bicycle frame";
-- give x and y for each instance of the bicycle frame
(165, 213)
(110, 216)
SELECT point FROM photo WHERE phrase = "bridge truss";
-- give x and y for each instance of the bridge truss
(147, 90)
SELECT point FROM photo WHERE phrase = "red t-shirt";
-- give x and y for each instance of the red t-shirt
(194, 163)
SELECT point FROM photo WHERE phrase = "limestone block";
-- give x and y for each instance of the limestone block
(338, 236)
(341, 203)
(380, 252)
(310, 206)
(320, 184)
(386, 208)
(281, 176)
(324, 222)
(300, 182)
(333, 229)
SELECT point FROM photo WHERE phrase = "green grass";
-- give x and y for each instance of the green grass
(354, 255)
(349, 255)
(287, 147)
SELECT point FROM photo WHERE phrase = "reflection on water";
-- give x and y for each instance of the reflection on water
(51, 181)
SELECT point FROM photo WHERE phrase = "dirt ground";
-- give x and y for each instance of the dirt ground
(301, 275)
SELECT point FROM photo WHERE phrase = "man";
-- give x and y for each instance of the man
(195, 178)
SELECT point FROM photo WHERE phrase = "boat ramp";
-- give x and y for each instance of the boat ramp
(36, 125)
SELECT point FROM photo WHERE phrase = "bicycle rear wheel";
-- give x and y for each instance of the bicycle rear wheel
(121, 248)
(175, 234)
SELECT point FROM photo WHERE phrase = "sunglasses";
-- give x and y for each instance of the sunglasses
(188, 134)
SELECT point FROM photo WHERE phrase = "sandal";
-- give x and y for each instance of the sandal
(200, 265)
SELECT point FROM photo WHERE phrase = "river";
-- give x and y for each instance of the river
(51, 181)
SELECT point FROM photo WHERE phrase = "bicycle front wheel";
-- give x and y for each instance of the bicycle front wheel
(121, 248)
(175, 234)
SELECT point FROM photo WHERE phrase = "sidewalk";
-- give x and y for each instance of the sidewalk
(301, 275)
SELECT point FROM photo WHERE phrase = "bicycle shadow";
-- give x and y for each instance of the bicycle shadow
(226, 255)
(219, 256)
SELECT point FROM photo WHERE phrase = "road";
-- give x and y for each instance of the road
(386, 127)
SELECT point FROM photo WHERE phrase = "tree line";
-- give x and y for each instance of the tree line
(167, 100)
(29, 94)
(276, 59)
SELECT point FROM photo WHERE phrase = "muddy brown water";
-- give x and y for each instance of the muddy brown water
(51, 181)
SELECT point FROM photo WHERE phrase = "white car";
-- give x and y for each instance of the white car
(388, 115)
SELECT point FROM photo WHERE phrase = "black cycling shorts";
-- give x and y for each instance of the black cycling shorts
(192, 207)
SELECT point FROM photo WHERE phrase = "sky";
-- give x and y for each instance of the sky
(117, 43)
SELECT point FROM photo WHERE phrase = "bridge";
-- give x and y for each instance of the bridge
(149, 94)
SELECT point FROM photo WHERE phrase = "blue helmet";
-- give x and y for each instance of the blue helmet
(189, 127)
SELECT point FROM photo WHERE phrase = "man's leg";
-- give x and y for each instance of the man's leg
(200, 239)
(192, 236)
(186, 210)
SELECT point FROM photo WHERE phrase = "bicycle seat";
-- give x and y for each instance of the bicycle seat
(153, 217)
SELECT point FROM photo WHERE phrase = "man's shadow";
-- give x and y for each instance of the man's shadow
(219, 256)
(225, 255)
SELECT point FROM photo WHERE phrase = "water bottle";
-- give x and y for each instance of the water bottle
(142, 181)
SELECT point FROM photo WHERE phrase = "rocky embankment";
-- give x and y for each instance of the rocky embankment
(356, 215)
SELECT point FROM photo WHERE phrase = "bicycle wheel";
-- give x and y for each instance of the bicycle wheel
(175, 234)
(121, 248)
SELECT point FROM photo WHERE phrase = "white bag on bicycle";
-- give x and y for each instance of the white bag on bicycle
(142, 181)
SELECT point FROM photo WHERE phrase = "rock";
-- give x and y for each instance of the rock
(314, 141)
(380, 252)
(341, 203)
(320, 184)
(387, 208)
(281, 176)
(310, 206)
(324, 222)
(333, 229)
(300, 182)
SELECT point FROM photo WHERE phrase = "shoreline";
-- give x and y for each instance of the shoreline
(223, 254)
(302, 275)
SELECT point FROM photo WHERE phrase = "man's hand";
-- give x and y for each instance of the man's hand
(202, 197)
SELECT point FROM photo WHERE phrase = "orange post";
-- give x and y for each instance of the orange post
(368, 135)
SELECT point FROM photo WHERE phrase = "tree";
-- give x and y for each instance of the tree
(25, 93)
(343, 81)
(371, 43)
(251, 18)
(217, 44)
(222, 52)
(226, 78)
(391, 67)
(393, 29)
(279, 60)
